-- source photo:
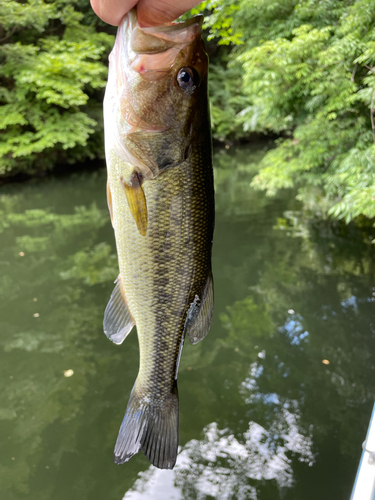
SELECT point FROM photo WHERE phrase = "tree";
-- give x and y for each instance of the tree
(308, 75)
(51, 64)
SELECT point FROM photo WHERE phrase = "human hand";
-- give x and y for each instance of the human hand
(150, 12)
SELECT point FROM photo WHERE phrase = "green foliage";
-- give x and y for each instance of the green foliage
(51, 63)
(301, 69)
(308, 74)
(225, 102)
(220, 20)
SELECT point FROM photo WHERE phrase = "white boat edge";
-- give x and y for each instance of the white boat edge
(364, 484)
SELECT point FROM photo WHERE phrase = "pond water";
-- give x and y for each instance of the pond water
(274, 403)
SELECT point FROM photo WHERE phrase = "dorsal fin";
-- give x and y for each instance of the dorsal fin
(118, 321)
(199, 316)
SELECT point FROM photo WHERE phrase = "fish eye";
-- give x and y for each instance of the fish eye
(187, 80)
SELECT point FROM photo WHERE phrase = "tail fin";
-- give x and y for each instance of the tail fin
(151, 427)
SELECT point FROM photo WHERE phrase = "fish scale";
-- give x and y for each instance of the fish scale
(161, 200)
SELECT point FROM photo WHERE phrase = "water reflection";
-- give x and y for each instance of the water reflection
(262, 417)
(226, 467)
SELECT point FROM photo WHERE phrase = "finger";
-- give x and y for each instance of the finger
(156, 12)
(112, 11)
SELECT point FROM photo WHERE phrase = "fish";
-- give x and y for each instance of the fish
(160, 193)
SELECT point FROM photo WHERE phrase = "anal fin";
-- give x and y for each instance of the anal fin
(118, 321)
(199, 316)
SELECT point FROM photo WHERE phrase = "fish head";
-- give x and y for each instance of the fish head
(159, 92)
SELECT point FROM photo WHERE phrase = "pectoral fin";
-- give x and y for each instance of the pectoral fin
(118, 321)
(199, 316)
(109, 201)
(137, 202)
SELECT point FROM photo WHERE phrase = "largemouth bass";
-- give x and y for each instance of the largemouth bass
(161, 200)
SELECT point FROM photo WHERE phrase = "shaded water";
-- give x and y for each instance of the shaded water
(261, 416)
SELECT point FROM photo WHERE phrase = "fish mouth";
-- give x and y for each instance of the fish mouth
(156, 48)
(159, 38)
(151, 52)
(172, 29)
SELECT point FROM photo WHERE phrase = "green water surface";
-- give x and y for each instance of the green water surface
(274, 403)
